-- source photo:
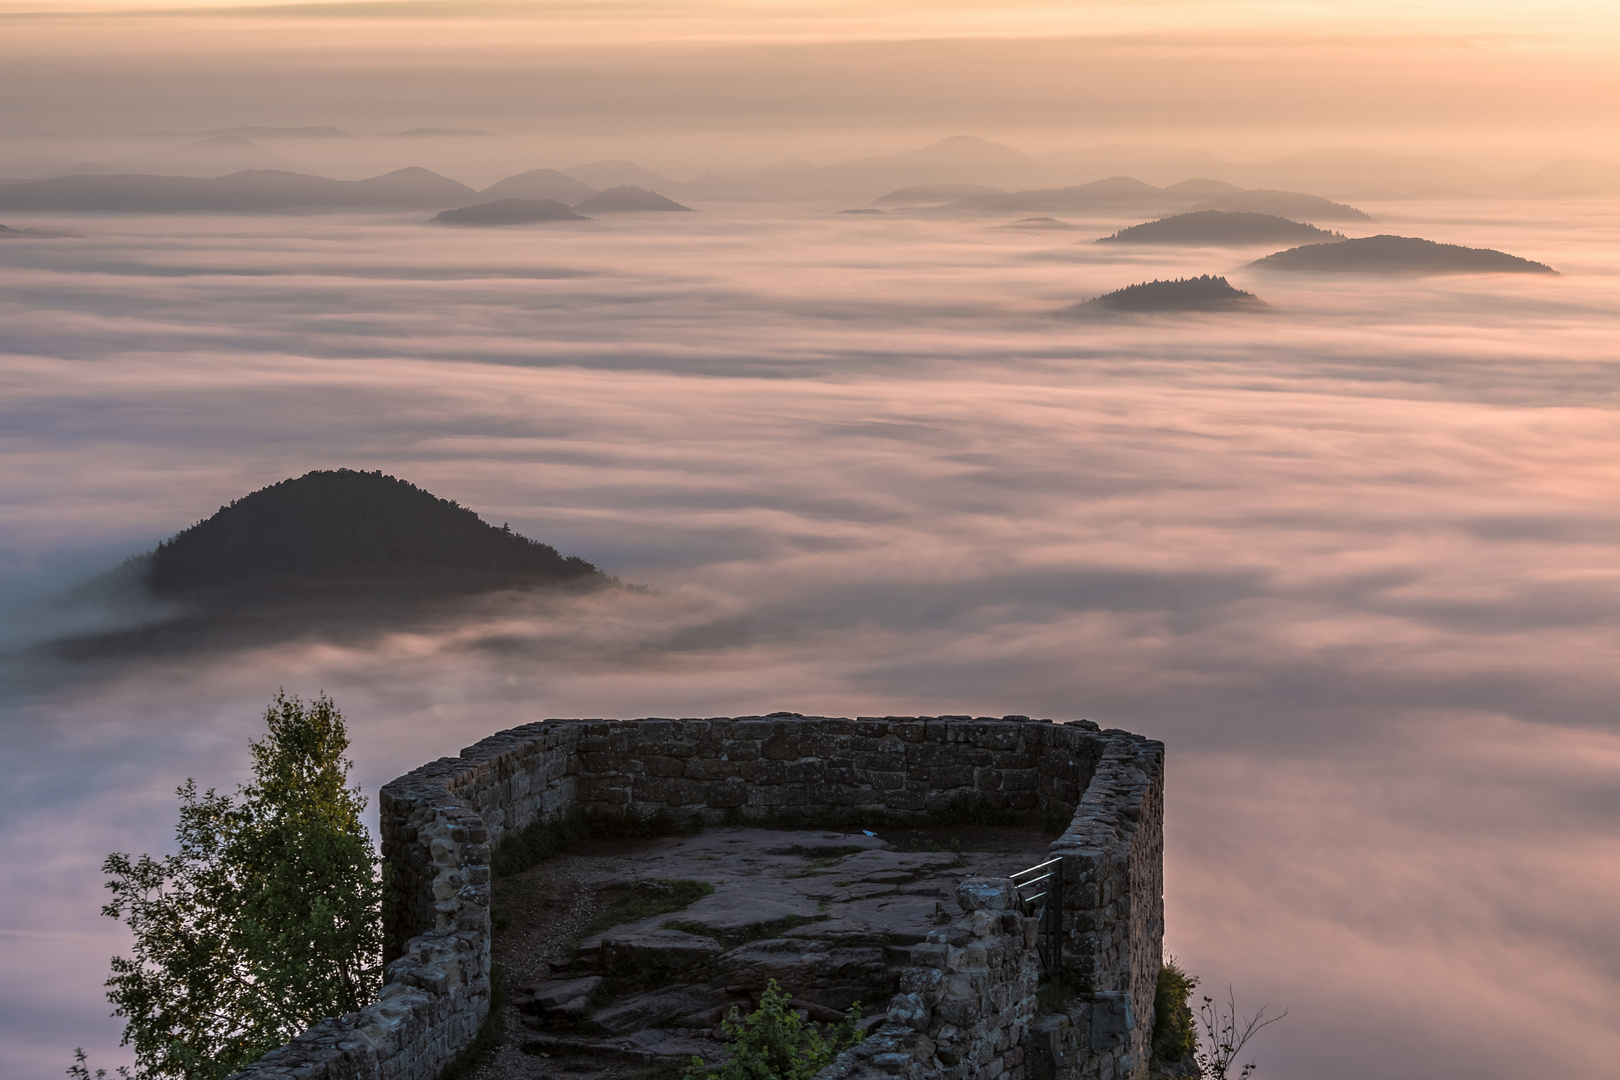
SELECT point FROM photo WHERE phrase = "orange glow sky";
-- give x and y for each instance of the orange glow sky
(1507, 85)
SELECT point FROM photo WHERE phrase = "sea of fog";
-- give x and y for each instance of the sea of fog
(1356, 561)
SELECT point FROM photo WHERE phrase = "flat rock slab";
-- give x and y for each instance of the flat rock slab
(655, 1007)
(563, 998)
(824, 914)
(660, 949)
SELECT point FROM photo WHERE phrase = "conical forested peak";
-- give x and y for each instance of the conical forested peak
(344, 530)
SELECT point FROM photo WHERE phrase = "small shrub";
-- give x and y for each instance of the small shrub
(1226, 1034)
(774, 1043)
(1175, 1036)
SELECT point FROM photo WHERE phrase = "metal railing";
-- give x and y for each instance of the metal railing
(1040, 892)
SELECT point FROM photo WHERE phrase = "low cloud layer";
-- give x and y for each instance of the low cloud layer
(1352, 560)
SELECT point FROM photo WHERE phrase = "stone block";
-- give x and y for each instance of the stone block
(908, 1010)
(1112, 1019)
(728, 794)
(985, 894)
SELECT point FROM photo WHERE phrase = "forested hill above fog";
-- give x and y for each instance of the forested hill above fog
(1400, 255)
(1219, 227)
(344, 531)
(1207, 292)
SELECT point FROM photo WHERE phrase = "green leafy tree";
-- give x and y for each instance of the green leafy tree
(774, 1043)
(264, 922)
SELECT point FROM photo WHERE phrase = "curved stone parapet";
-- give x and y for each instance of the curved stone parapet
(440, 822)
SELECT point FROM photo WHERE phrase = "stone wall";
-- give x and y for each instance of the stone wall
(965, 1005)
(1113, 869)
(967, 1010)
(439, 822)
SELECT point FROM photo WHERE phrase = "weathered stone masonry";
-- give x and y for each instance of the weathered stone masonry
(967, 1010)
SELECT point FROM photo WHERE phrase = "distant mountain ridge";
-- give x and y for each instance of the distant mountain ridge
(540, 184)
(1117, 193)
(250, 191)
(627, 198)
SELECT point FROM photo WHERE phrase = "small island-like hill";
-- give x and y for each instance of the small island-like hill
(1207, 292)
(342, 533)
(1220, 227)
(1037, 224)
(1399, 255)
(509, 212)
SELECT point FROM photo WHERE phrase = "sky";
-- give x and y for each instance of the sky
(700, 84)
(1352, 559)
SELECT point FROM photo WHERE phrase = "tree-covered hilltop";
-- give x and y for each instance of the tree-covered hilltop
(1207, 292)
(508, 212)
(1220, 227)
(1400, 255)
(345, 531)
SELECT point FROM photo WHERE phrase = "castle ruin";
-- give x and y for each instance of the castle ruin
(966, 1006)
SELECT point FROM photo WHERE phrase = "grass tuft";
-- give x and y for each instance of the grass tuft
(648, 898)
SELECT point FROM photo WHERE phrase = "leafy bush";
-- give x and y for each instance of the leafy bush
(774, 1043)
(1175, 1037)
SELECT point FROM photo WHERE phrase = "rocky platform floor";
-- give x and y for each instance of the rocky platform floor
(609, 976)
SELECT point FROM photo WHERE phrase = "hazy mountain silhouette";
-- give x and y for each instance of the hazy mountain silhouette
(934, 194)
(863, 210)
(1571, 177)
(1331, 171)
(1128, 193)
(254, 133)
(441, 133)
(960, 159)
(539, 184)
(1399, 255)
(1155, 164)
(1116, 191)
(1037, 224)
(1339, 169)
(1218, 227)
(626, 197)
(602, 175)
(1204, 293)
(257, 190)
(8, 233)
(509, 212)
(218, 156)
(1289, 204)
(1202, 188)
